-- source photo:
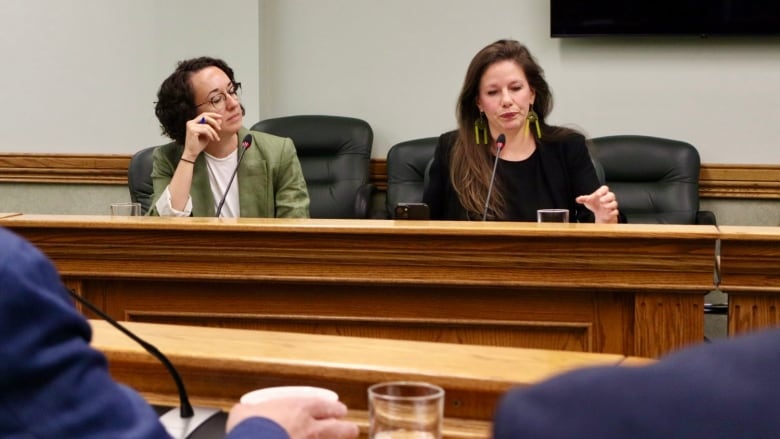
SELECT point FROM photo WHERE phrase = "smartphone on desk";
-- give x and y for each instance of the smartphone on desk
(412, 211)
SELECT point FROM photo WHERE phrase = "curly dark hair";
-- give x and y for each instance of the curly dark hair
(176, 100)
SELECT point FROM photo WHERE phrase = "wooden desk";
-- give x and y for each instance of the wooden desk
(626, 289)
(750, 275)
(218, 365)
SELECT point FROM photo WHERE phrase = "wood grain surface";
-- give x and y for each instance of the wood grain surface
(218, 365)
(750, 275)
(624, 289)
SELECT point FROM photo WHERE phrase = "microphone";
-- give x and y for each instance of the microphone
(189, 419)
(500, 141)
(246, 143)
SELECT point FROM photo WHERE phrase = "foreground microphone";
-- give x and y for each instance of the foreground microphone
(188, 420)
(500, 142)
(245, 144)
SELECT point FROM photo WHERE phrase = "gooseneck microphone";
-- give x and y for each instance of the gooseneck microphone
(186, 424)
(500, 141)
(245, 144)
(184, 400)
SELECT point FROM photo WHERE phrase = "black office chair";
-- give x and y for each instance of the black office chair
(655, 180)
(139, 178)
(335, 154)
(407, 165)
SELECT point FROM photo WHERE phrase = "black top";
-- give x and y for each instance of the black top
(529, 192)
(552, 177)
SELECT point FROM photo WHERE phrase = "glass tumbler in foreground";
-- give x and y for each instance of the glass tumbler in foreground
(405, 410)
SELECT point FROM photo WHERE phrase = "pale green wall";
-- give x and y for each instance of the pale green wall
(400, 65)
(744, 212)
(63, 199)
(81, 76)
(88, 71)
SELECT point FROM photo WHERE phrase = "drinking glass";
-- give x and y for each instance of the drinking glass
(405, 410)
(552, 215)
(125, 209)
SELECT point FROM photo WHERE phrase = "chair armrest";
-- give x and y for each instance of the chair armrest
(363, 200)
(706, 217)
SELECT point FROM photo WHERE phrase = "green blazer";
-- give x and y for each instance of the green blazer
(270, 179)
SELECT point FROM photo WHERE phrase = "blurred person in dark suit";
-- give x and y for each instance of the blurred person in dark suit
(726, 389)
(54, 385)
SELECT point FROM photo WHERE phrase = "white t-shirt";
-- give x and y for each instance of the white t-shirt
(220, 170)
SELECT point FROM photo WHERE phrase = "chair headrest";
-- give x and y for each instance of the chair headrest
(321, 135)
(644, 158)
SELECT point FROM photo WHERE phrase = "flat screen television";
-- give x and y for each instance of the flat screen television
(590, 18)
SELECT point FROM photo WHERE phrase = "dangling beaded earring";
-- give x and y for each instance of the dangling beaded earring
(480, 127)
(532, 117)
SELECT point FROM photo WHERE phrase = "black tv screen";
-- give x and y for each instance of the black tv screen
(580, 18)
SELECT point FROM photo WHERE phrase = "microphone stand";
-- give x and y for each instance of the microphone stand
(245, 144)
(499, 146)
(179, 425)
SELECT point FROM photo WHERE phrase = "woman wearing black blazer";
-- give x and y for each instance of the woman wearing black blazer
(537, 166)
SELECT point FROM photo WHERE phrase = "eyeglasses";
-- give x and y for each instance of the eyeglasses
(218, 100)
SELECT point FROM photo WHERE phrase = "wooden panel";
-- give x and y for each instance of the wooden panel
(572, 286)
(749, 313)
(564, 336)
(673, 318)
(740, 181)
(750, 275)
(64, 168)
(392, 253)
(750, 258)
(379, 173)
(218, 365)
(716, 180)
(560, 321)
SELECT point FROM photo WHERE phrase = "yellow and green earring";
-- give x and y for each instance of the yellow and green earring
(480, 128)
(532, 117)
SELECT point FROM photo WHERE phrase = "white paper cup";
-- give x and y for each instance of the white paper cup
(269, 393)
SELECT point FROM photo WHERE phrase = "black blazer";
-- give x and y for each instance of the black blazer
(566, 167)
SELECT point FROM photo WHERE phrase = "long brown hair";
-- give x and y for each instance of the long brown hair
(471, 164)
